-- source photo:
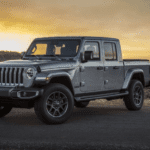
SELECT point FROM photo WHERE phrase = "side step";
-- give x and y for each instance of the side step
(101, 96)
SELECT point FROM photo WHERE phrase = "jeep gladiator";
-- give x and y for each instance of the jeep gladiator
(57, 73)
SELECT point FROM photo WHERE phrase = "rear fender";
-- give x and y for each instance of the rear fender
(129, 76)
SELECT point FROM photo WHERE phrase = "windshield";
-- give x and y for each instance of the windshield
(54, 48)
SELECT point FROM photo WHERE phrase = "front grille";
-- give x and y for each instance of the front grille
(11, 76)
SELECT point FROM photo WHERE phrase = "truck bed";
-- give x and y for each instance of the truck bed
(135, 60)
(143, 64)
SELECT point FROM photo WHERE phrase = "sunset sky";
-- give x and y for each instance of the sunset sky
(128, 20)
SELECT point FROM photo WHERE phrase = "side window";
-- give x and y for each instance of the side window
(110, 51)
(92, 46)
(114, 51)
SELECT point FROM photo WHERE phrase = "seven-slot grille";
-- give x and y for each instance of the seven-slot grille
(11, 76)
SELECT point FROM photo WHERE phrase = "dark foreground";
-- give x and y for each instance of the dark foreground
(102, 125)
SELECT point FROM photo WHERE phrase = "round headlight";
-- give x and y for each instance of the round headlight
(30, 73)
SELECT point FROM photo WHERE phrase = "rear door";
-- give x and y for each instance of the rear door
(113, 71)
(92, 71)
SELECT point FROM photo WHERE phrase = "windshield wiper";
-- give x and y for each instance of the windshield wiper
(34, 56)
(44, 56)
(37, 57)
(54, 56)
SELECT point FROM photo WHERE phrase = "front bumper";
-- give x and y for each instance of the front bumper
(9, 95)
(20, 92)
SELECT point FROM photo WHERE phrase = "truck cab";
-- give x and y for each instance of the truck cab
(105, 71)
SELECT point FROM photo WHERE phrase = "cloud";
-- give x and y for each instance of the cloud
(127, 20)
(112, 14)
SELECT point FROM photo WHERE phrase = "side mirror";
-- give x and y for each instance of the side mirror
(22, 54)
(87, 55)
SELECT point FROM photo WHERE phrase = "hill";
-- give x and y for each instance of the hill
(9, 55)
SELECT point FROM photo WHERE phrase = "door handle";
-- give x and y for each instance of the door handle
(116, 67)
(105, 68)
(100, 68)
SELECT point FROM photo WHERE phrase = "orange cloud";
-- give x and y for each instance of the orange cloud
(126, 20)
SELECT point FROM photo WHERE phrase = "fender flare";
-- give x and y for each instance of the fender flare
(60, 74)
(129, 76)
(45, 78)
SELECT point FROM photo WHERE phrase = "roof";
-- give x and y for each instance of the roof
(79, 37)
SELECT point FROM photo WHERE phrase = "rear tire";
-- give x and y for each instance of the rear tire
(4, 110)
(81, 104)
(56, 105)
(134, 101)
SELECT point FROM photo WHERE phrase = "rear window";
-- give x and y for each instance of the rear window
(110, 51)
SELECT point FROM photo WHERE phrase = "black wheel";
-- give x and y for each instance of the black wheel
(56, 105)
(81, 104)
(134, 101)
(4, 110)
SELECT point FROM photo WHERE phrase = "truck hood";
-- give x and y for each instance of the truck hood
(43, 64)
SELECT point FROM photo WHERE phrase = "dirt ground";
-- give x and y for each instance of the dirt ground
(147, 93)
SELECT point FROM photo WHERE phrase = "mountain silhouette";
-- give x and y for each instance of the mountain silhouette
(9, 55)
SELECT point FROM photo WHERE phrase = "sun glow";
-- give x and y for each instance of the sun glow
(21, 21)
(15, 42)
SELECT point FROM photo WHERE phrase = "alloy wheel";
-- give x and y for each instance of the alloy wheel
(137, 95)
(57, 104)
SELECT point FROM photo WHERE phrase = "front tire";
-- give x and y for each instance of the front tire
(56, 105)
(4, 110)
(134, 101)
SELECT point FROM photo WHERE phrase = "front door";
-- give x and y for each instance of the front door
(92, 71)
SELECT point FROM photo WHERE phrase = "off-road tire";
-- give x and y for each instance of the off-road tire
(129, 100)
(81, 104)
(4, 110)
(40, 106)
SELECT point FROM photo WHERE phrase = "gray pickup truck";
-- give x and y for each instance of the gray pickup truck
(58, 73)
